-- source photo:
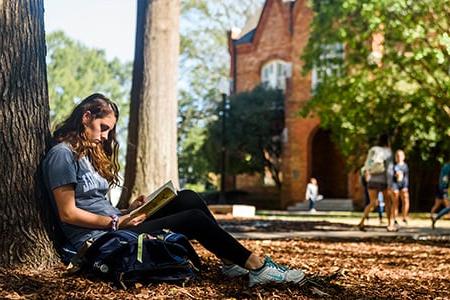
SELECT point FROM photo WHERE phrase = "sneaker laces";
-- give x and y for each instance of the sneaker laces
(271, 263)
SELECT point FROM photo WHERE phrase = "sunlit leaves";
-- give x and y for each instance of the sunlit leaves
(204, 62)
(76, 71)
(405, 93)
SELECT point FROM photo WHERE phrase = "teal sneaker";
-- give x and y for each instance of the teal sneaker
(274, 273)
(233, 270)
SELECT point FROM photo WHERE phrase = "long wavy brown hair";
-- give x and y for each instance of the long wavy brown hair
(102, 155)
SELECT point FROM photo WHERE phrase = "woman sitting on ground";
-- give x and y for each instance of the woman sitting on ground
(81, 167)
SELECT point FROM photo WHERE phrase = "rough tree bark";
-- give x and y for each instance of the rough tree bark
(152, 131)
(24, 117)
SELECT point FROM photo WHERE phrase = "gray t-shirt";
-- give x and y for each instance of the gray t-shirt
(60, 167)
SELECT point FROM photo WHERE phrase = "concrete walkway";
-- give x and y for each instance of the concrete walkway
(371, 233)
(330, 226)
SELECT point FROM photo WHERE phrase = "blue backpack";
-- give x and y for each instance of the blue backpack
(125, 257)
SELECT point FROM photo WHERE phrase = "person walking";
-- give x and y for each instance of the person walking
(439, 201)
(378, 169)
(442, 194)
(312, 194)
(400, 183)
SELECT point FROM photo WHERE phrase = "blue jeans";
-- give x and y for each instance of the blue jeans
(442, 212)
(312, 204)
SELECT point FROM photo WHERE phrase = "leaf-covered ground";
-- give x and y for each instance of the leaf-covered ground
(371, 269)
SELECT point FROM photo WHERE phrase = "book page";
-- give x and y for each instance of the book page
(156, 200)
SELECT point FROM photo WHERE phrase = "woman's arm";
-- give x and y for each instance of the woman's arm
(71, 214)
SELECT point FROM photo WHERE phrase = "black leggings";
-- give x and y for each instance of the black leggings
(188, 214)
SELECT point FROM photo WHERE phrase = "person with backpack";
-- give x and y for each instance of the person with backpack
(378, 172)
(442, 194)
(81, 167)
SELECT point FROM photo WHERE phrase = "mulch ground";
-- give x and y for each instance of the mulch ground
(371, 269)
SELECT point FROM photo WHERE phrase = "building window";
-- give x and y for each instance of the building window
(329, 64)
(275, 73)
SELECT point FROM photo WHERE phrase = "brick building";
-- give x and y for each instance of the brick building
(268, 50)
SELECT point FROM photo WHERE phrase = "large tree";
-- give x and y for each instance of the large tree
(24, 117)
(152, 136)
(253, 129)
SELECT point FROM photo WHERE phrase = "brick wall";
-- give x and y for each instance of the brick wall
(282, 33)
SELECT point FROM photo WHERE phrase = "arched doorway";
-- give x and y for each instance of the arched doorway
(328, 166)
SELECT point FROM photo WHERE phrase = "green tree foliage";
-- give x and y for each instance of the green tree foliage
(75, 71)
(204, 62)
(403, 92)
(254, 124)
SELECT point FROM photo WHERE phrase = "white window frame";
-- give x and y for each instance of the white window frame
(274, 74)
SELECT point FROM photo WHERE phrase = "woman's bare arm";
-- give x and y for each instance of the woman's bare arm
(71, 214)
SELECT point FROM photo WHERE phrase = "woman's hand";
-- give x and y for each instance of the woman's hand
(128, 221)
(137, 203)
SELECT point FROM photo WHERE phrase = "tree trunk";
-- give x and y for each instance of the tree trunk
(24, 117)
(152, 130)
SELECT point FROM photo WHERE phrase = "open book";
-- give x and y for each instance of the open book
(156, 200)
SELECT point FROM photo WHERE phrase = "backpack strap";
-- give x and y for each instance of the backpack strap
(140, 247)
